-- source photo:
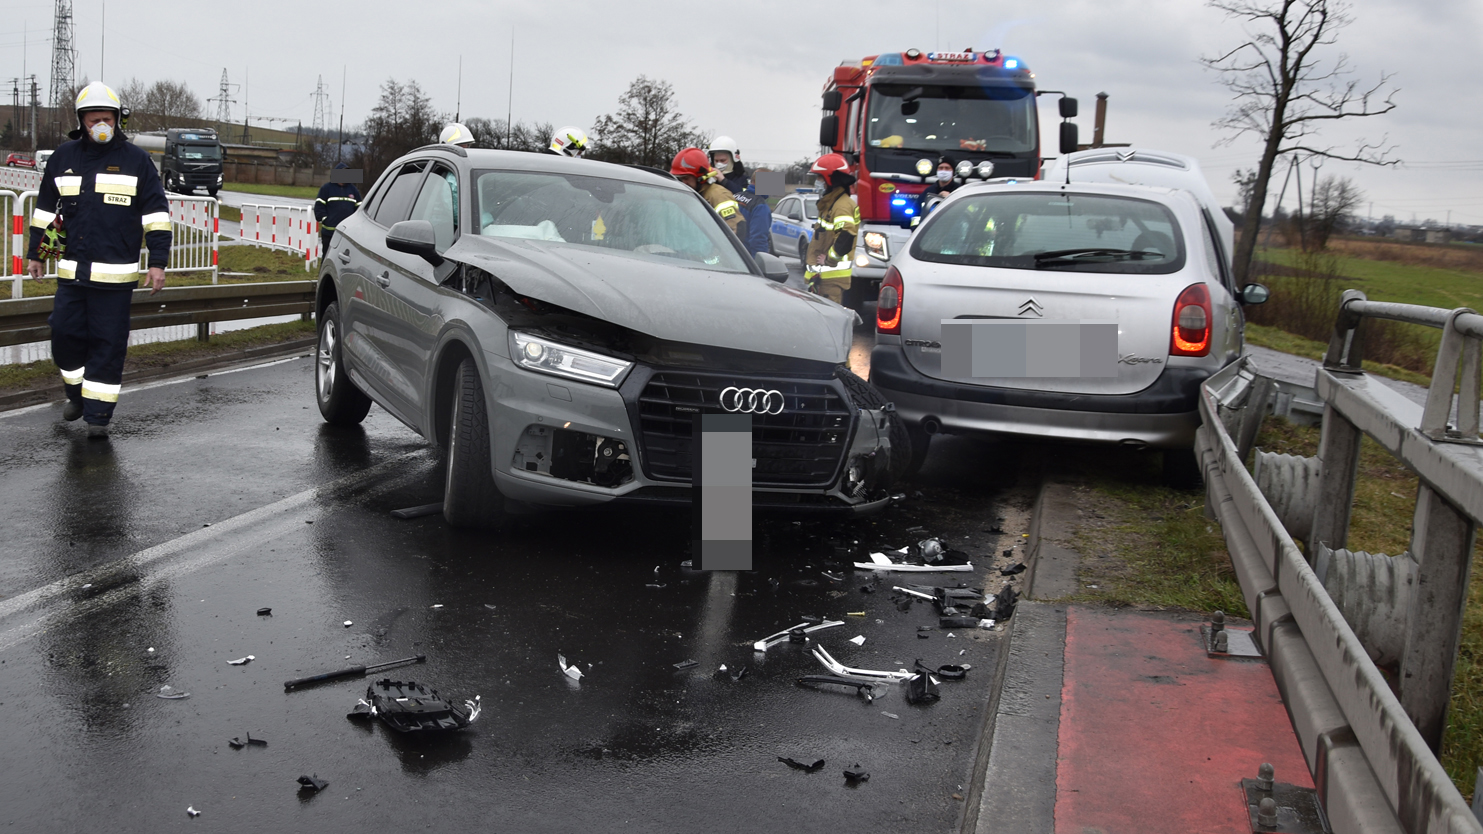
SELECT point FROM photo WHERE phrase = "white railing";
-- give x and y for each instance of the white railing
(20, 179)
(281, 227)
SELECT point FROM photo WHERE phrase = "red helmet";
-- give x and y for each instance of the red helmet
(830, 164)
(691, 162)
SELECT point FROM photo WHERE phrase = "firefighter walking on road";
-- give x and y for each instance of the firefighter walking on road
(335, 202)
(99, 199)
(827, 266)
(692, 167)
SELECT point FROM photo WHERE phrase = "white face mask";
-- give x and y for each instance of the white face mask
(944, 176)
(723, 167)
(102, 133)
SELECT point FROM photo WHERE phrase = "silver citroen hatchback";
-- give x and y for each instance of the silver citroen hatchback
(1081, 312)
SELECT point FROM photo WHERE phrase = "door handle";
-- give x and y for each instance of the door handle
(384, 279)
(345, 255)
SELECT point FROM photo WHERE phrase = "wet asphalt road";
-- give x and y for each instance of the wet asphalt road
(140, 563)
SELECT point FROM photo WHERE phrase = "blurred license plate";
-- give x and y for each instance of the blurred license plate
(1006, 349)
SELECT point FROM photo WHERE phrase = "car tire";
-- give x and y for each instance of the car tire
(470, 498)
(340, 402)
(1182, 469)
(803, 250)
(867, 396)
(921, 441)
(212, 191)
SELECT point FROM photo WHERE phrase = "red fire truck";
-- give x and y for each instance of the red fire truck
(898, 114)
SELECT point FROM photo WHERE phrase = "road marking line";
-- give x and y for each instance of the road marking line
(206, 546)
(160, 383)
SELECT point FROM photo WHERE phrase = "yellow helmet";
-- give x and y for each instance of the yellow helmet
(98, 96)
(456, 134)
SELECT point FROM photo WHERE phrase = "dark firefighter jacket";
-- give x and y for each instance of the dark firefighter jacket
(108, 199)
(336, 201)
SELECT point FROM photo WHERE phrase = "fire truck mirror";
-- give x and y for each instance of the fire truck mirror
(1068, 137)
(1068, 107)
(833, 100)
(829, 131)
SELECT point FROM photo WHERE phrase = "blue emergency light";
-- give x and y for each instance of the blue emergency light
(1011, 63)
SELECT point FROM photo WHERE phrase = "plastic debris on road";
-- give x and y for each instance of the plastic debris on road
(920, 558)
(191, 811)
(265, 612)
(411, 707)
(864, 689)
(854, 776)
(348, 623)
(858, 640)
(170, 693)
(1012, 570)
(806, 768)
(570, 671)
(796, 634)
(238, 744)
(822, 655)
(312, 784)
(242, 661)
(690, 664)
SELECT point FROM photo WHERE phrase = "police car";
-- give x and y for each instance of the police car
(793, 224)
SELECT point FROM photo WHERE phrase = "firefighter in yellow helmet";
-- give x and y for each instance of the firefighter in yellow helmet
(692, 167)
(827, 265)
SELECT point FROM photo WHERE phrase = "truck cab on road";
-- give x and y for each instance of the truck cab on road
(188, 158)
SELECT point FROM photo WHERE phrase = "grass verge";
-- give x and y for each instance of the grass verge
(258, 262)
(231, 213)
(1146, 545)
(307, 192)
(164, 354)
(1408, 283)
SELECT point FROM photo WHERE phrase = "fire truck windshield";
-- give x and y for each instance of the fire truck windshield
(992, 119)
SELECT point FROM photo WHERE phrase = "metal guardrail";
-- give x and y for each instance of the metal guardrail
(1371, 745)
(24, 320)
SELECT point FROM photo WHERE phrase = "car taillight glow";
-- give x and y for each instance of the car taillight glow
(888, 305)
(1191, 331)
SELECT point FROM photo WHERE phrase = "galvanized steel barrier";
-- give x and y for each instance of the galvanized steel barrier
(24, 320)
(1371, 746)
(281, 227)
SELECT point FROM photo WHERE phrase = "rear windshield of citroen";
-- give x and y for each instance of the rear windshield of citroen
(1053, 231)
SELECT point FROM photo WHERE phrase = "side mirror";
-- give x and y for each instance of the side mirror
(1068, 108)
(833, 100)
(415, 237)
(829, 131)
(773, 268)
(1069, 137)
(1254, 294)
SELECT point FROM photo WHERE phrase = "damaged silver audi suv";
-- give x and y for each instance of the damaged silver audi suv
(555, 326)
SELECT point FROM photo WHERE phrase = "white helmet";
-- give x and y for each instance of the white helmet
(98, 96)
(456, 134)
(727, 144)
(569, 141)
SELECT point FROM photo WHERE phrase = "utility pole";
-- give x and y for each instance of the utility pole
(35, 105)
(510, 96)
(63, 60)
(340, 142)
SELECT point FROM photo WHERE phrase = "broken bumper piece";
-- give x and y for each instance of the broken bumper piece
(794, 634)
(823, 656)
(413, 708)
(865, 689)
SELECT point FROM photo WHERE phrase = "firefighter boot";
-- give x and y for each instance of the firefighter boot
(73, 409)
(97, 431)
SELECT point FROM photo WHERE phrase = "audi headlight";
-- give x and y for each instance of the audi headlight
(875, 244)
(545, 356)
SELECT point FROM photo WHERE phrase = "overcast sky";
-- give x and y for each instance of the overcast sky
(754, 69)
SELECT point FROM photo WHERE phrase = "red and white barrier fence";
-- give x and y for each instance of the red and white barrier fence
(282, 227)
(194, 246)
(20, 179)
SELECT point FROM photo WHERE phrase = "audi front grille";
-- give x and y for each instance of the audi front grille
(803, 445)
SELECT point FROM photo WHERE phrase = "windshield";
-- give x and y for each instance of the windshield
(650, 222)
(990, 118)
(1077, 232)
(198, 151)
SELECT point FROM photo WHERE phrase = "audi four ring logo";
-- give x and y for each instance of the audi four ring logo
(752, 401)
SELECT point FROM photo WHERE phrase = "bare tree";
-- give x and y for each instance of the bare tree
(647, 129)
(1331, 209)
(161, 105)
(402, 119)
(1285, 91)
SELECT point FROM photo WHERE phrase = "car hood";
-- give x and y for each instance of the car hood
(670, 302)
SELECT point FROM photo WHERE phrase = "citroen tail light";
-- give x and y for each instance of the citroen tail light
(888, 304)
(1191, 336)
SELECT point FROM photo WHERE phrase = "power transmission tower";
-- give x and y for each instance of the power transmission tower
(224, 100)
(321, 107)
(63, 59)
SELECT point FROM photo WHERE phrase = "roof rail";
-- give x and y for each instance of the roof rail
(442, 146)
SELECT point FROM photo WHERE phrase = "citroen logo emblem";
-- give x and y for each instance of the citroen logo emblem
(1032, 307)
(1125, 156)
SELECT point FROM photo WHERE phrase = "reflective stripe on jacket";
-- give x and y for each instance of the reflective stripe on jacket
(110, 202)
(839, 220)
(335, 202)
(724, 203)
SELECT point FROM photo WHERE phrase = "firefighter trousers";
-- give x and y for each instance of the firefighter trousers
(89, 338)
